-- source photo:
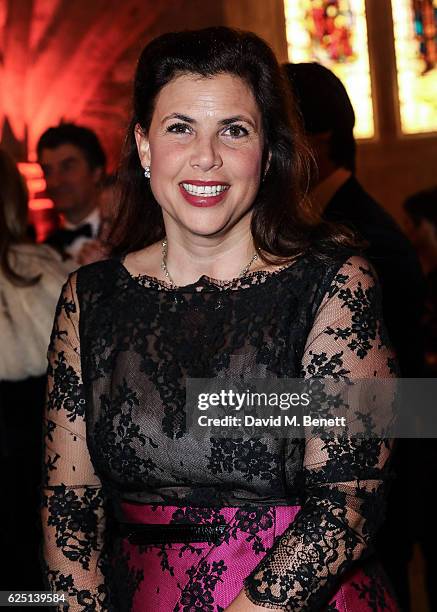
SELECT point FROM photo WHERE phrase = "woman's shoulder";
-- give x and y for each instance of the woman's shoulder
(36, 261)
(37, 257)
(99, 269)
(31, 249)
(353, 264)
(29, 310)
(100, 278)
(343, 261)
(330, 274)
(117, 271)
(321, 267)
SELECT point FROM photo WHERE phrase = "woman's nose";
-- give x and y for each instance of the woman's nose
(205, 154)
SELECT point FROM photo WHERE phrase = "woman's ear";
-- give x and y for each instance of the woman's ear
(143, 146)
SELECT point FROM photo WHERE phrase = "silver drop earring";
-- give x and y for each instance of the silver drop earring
(147, 172)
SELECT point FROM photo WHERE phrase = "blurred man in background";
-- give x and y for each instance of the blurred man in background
(329, 119)
(73, 162)
(421, 209)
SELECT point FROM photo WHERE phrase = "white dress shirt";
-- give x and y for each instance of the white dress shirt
(94, 220)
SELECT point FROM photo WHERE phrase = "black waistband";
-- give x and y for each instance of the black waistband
(138, 533)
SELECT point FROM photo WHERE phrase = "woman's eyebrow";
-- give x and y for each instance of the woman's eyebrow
(180, 117)
(237, 118)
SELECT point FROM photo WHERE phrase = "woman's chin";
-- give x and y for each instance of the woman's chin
(209, 231)
(217, 223)
(205, 227)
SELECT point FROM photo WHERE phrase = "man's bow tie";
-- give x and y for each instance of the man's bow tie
(67, 236)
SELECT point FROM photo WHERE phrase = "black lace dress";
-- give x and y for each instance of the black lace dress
(122, 348)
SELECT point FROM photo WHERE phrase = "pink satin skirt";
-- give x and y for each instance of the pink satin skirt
(205, 577)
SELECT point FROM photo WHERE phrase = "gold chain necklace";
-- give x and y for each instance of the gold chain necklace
(164, 268)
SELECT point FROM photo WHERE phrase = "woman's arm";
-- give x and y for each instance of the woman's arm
(72, 514)
(344, 478)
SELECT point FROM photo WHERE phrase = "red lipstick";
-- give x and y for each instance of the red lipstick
(203, 201)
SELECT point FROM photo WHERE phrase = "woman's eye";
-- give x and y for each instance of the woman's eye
(236, 131)
(179, 128)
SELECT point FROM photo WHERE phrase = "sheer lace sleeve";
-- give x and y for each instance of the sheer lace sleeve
(344, 477)
(72, 513)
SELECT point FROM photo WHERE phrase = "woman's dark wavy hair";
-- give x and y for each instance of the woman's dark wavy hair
(13, 218)
(283, 224)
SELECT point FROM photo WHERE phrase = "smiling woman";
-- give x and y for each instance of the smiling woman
(204, 111)
(207, 155)
(219, 270)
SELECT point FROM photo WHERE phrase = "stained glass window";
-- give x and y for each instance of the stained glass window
(334, 33)
(415, 31)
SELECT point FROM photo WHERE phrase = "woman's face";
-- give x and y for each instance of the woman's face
(204, 149)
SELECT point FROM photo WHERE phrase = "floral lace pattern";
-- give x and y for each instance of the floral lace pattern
(121, 351)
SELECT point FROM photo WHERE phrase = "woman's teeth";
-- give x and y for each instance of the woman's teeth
(205, 191)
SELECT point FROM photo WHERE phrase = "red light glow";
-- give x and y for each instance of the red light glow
(40, 204)
(36, 184)
(30, 170)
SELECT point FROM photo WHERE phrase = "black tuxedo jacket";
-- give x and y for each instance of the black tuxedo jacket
(397, 265)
